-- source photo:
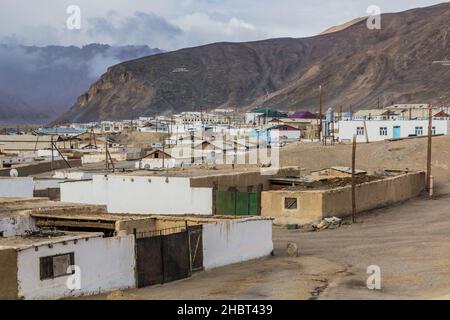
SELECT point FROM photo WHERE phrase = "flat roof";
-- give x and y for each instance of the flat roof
(204, 171)
(10, 207)
(25, 242)
(135, 217)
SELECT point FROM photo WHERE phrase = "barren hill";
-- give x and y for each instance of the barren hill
(358, 66)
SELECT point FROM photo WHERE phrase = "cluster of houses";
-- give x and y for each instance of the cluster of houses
(76, 203)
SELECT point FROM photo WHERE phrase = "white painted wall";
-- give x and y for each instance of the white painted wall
(72, 175)
(140, 195)
(93, 191)
(42, 184)
(107, 264)
(233, 241)
(16, 187)
(407, 127)
(156, 195)
(16, 226)
(151, 163)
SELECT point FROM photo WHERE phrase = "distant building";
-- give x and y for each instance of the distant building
(379, 130)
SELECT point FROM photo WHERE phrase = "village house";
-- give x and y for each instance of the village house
(328, 193)
(52, 251)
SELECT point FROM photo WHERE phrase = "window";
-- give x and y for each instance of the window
(56, 266)
(360, 131)
(1, 234)
(383, 131)
(419, 131)
(290, 203)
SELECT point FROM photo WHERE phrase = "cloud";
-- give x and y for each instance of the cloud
(156, 31)
(173, 24)
(200, 28)
(140, 28)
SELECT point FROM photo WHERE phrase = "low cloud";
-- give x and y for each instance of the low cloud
(156, 31)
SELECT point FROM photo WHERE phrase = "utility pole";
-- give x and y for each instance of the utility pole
(164, 154)
(354, 180)
(106, 153)
(320, 112)
(430, 139)
(53, 157)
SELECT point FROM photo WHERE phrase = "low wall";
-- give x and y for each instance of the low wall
(233, 241)
(16, 225)
(93, 191)
(313, 206)
(16, 187)
(106, 264)
(373, 195)
(41, 167)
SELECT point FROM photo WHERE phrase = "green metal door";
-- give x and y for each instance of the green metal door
(242, 203)
(234, 203)
(253, 204)
(225, 203)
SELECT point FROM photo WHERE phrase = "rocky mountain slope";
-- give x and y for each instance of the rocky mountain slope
(38, 84)
(356, 65)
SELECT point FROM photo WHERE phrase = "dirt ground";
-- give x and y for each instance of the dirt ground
(409, 242)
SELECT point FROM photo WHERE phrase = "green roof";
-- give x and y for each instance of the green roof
(273, 113)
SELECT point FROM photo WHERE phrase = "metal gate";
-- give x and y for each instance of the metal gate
(196, 247)
(235, 203)
(168, 255)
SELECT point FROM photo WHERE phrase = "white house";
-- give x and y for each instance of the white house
(389, 129)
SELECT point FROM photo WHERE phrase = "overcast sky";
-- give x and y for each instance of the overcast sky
(173, 24)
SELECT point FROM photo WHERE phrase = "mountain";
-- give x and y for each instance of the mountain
(37, 84)
(357, 67)
(13, 110)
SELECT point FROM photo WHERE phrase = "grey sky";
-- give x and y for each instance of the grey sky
(173, 24)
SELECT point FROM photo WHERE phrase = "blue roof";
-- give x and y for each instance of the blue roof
(60, 131)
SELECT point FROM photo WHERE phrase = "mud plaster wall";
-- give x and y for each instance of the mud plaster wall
(309, 206)
(313, 206)
(144, 225)
(373, 195)
(8, 274)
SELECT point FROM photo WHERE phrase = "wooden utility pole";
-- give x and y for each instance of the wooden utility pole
(106, 153)
(53, 157)
(354, 180)
(430, 139)
(320, 112)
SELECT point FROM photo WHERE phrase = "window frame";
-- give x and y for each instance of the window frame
(49, 275)
(419, 130)
(360, 131)
(383, 131)
(285, 206)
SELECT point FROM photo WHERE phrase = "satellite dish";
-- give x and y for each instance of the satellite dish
(14, 173)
